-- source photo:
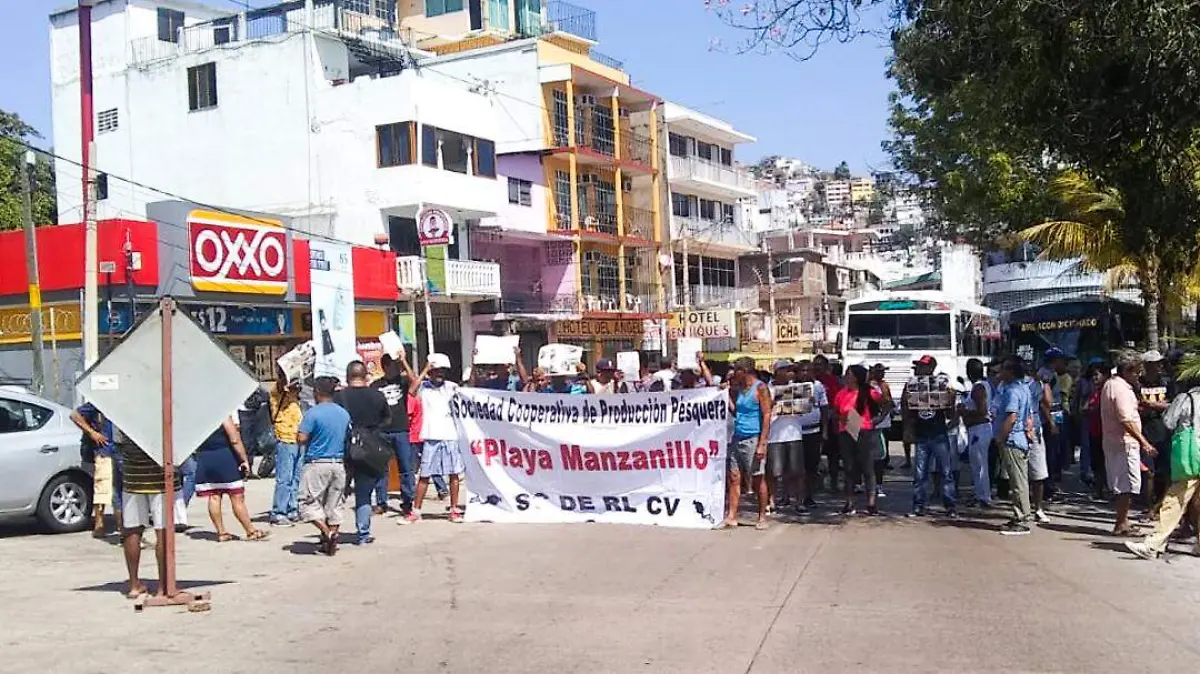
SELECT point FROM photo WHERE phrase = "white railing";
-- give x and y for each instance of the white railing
(718, 297)
(711, 172)
(711, 231)
(463, 277)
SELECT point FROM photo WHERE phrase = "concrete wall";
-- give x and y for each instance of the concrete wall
(514, 217)
(512, 71)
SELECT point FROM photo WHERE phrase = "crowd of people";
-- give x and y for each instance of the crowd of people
(1011, 427)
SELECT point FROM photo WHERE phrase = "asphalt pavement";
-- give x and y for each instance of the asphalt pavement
(824, 593)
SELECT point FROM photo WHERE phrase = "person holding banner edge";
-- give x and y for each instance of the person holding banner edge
(750, 403)
(441, 454)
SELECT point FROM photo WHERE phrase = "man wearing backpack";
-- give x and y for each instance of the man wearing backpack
(1183, 418)
(369, 412)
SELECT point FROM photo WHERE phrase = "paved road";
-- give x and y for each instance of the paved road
(885, 595)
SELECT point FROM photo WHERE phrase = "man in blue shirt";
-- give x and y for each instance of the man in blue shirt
(322, 437)
(1013, 436)
(98, 449)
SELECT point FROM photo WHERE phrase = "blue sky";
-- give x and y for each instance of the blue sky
(824, 110)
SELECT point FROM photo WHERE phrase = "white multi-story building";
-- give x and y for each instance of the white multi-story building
(709, 229)
(309, 112)
(837, 197)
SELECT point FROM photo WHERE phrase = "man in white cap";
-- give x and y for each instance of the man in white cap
(1155, 392)
(441, 454)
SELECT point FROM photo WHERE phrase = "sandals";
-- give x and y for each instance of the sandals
(225, 538)
(257, 535)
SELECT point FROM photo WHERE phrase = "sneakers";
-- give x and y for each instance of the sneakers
(858, 489)
(1014, 528)
(365, 540)
(1041, 517)
(411, 517)
(456, 517)
(952, 514)
(879, 493)
(802, 509)
(919, 512)
(1142, 550)
(848, 510)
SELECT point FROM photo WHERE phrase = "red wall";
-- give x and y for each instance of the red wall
(60, 255)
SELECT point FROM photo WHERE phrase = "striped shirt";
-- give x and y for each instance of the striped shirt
(140, 474)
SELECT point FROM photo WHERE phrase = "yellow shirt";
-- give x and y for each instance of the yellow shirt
(287, 419)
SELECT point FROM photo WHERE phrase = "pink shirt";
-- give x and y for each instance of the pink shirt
(1118, 404)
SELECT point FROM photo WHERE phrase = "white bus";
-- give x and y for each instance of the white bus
(896, 328)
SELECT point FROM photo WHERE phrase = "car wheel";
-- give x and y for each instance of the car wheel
(66, 504)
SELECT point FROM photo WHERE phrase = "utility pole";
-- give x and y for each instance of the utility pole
(31, 271)
(771, 294)
(687, 277)
(91, 298)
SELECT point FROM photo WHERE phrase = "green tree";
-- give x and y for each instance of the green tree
(13, 133)
(842, 172)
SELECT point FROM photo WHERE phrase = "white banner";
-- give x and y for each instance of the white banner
(332, 299)
(640, 458)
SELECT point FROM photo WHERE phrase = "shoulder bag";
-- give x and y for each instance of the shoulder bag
(1185, 447)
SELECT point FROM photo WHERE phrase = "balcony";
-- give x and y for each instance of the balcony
(372, 40)
(639, 223)
(595, 140)
(519, 300)
(711, 178)
(464, 278)
(718, 297)
(640, 299)
(558, 17)
(712, 232)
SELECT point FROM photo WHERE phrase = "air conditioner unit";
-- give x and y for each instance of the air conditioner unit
(626, 184)
(585, 100)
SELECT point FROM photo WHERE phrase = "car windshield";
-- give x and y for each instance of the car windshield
(899, 331)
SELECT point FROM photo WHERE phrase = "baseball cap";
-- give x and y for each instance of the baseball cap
(1152, 356)
(1053, 353)
(439, 361)
(879, 366)
(926, 360)
(783, 364)
(605, 364)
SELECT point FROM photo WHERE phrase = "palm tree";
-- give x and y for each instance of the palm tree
(1094, 235)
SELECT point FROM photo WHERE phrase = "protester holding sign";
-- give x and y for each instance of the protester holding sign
(286, 414)
(605, 382)
(784, 447)
(690, 379)
(441, 454)
(397, 377)
(813, 427)
(929, 409)
(750, 402)
(500, 376)
(859, 405)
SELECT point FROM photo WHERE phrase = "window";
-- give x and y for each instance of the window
(678, 144)
(680, 205)
(899, 331)
(485, 158)
(393, 144)
(18, 417)
(107, 120)
(520, 192)
(706, 151)
(717, 272)
(562, 198)
(440, 7)
(708, 210)
(562, 120)
(727, 214)
(402, 236)
(202, 87)
(170, 22)
(601, 275)
(727, 157)
(429, 145)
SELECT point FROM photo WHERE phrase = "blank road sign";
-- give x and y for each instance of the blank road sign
(208, 385)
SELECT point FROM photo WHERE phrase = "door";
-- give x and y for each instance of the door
(33, 446)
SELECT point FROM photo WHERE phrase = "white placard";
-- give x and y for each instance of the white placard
(332, 300)
(560, 359)
(630, 363)
(496, 350)
(636, 458)
(392, 344)
(688, 352)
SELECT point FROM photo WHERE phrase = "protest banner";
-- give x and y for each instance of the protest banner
(638, 458)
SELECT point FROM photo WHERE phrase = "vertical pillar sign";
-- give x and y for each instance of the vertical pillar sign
(435, 230)
(332, 298)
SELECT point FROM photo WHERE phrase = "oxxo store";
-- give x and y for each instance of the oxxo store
(244, 277)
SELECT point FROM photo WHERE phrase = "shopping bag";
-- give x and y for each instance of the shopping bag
(1185, 448)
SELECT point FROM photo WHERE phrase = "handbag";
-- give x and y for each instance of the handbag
(1185, 448)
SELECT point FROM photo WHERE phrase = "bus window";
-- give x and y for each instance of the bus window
(906, 331)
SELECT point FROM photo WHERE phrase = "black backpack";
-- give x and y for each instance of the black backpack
(369, 450)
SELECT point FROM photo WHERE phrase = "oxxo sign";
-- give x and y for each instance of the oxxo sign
(235, 254)
(703, 324)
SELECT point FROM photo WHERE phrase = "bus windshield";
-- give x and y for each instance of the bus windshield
(898, 331)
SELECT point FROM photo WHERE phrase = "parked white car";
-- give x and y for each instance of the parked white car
(42, 472)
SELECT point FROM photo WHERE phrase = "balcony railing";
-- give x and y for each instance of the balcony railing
(635, 146)
(520, 300)
(597, 133)
(711, 231)
(337, 16)
(718, 297)
(639, 223)
(694, 168)
(463, 277)
(559, 17)
(639, 299)
(606, 60)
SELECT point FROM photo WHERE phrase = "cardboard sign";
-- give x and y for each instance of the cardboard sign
(560, 359)
(688, 353)
(391, 343)
(929, 393)
(630, 363)
(495, 350)
(793, 399)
